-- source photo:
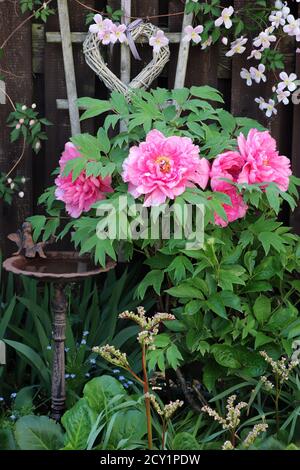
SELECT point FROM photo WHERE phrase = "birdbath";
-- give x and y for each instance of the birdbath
(60, 268)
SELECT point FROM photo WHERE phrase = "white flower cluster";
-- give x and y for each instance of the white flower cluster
(266, 383)
(253, 435)
(281, 368)
(168, 411)
(281, 21)
(279, 17)
(232, 419)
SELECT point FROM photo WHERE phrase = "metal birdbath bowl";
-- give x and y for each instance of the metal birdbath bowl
(60, 268)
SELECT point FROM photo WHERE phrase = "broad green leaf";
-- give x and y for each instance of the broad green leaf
(226, 356)
(185, 290)
(130, 425)
(216, 304)
(211, 373)
(103, 139)
(93, 107)
(262, 309)
(100, 390)
(185, 441)
(78, 422)
(152, 279)
(38, 433)
(227, 121)
(207, 93)
(261, 339)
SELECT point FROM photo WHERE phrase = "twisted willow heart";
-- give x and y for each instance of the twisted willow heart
(93, 57)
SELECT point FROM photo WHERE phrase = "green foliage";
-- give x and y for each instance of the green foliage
(233, 298)
(106, 417)
(26, 123)
(184, 441)
(9, 187)
(182, 112)
(237, 295)
(38, 433)
(25, 327)
(40, 9)
(114, 15)
(100, 390)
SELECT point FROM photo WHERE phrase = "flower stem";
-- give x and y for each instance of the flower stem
(277, 404)
(135, 376)
(163, 439)
(147, 399)
(28, 18)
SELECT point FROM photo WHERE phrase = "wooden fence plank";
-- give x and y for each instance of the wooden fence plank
(183, 53)
(141, 10)
(175, 25)
(281, 127)
(295, 219)
(55, 87)
(79, 37)
(17, 60)
(242, 96)
(125, 51)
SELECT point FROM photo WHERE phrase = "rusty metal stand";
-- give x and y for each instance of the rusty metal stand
(59, 308)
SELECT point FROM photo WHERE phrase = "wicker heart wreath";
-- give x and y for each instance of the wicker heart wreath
(93, 57)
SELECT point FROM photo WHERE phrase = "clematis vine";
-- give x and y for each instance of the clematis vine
(158, 41)
(225, 18)
(278, 22)
(193, 34)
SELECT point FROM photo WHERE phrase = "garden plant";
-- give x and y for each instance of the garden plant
(192, 343)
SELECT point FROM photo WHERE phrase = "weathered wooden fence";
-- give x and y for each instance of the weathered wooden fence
(34, 62)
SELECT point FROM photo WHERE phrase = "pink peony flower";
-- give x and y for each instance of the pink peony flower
(227, 165)
(81, 194)
(263, 164)
(236, 211)
(163, 167)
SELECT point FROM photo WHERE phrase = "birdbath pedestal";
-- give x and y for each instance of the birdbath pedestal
(60, 268)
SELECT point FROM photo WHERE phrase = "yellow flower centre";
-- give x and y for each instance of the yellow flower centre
(164, 164)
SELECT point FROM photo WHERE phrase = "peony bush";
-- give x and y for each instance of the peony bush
(232, 297)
